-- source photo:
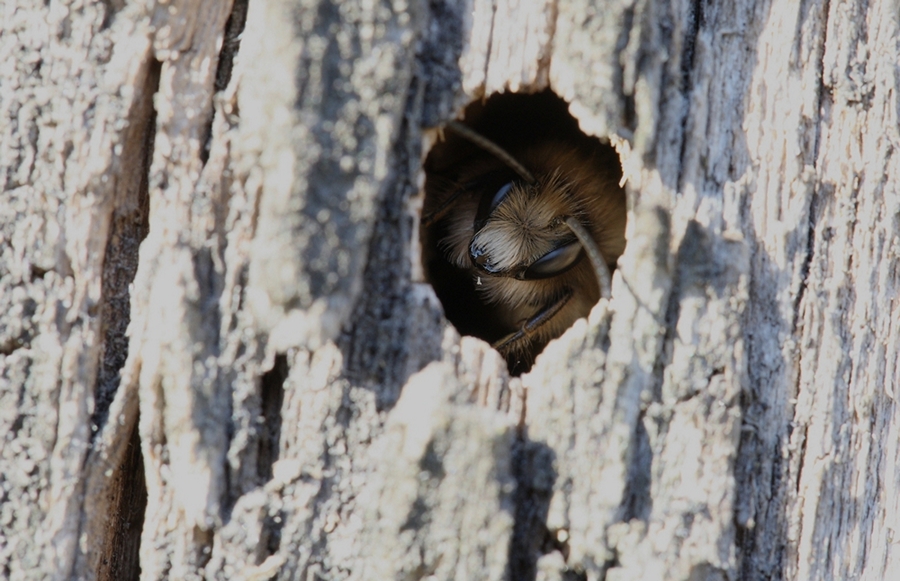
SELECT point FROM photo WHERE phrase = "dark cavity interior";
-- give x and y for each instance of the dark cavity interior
(507, 119)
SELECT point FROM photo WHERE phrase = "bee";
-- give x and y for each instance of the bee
(521, 237)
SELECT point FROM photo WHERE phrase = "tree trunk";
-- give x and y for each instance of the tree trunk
(220, 358)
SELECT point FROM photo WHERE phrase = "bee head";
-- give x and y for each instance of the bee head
(520, 231)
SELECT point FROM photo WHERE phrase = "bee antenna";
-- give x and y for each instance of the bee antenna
(594, 254)
(486, 144)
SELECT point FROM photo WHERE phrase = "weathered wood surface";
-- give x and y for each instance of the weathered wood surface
(303, 410)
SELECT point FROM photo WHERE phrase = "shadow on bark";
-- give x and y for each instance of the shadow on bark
(535, 477)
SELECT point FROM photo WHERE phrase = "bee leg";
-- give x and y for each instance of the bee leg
(531, 326)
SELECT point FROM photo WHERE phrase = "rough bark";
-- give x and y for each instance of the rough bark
(288, 401)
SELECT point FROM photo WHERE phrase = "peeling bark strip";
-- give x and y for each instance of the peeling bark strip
(305, 410)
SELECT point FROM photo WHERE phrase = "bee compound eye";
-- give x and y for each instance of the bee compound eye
(500, 196)
(554, 262)
(490, 203)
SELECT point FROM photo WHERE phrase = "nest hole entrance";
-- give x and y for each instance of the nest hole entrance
(504, 195)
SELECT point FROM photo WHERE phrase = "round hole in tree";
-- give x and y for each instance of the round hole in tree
(523, 222)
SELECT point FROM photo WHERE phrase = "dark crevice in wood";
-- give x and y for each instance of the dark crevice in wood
(129, 225)
(807, 259)
(27, 331)
(10, 346)
(629, 114)
(38, 272)
(128, 502)
(575, 575)
(801, 458)
(112, 9)
(202, 543)
(696, 21)
(811, 157)
(271, 532)
(231, 44)
(271, 398)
